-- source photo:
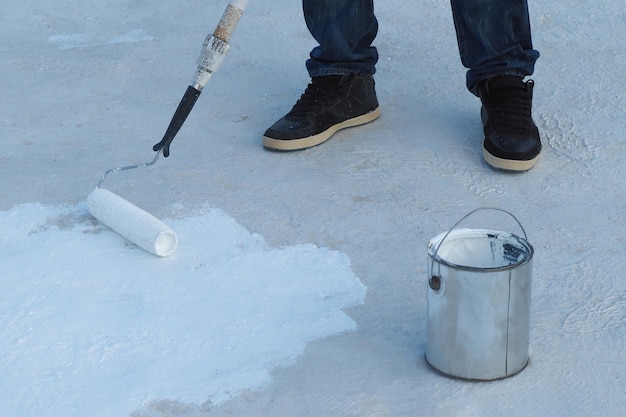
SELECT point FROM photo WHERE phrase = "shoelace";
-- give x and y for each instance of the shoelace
(319, 93)
(510, 112)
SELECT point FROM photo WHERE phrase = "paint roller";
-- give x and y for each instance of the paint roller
(128, 220)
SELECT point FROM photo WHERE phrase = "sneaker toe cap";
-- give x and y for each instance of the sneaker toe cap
(291, 128)
(512, 148)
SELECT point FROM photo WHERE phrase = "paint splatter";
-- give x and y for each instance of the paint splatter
(88, 40)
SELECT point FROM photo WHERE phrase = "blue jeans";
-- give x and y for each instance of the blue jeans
(493, 37)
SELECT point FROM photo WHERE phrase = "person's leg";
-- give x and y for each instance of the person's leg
(495, 45)
(345, 30)
(494, 38)
(342, 91)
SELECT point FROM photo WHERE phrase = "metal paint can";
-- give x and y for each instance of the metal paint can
(479, 293)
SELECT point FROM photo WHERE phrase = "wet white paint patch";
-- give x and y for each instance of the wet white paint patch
(93, 325)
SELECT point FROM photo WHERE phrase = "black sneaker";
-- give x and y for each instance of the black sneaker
(329, 103)
(512, 140)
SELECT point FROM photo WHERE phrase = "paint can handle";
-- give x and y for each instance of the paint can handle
(433, 281)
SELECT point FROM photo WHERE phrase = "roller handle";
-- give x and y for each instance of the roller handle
(216, 46)
(214, 51)
(229, 19)
(182, 111)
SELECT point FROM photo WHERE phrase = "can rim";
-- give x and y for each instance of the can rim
(436, 242)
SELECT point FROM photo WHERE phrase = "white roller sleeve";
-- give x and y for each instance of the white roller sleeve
(136, 225)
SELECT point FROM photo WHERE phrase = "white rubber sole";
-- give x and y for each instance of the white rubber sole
(295, 144)
(509, 164)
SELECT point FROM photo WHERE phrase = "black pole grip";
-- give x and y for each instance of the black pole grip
(182, 111)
